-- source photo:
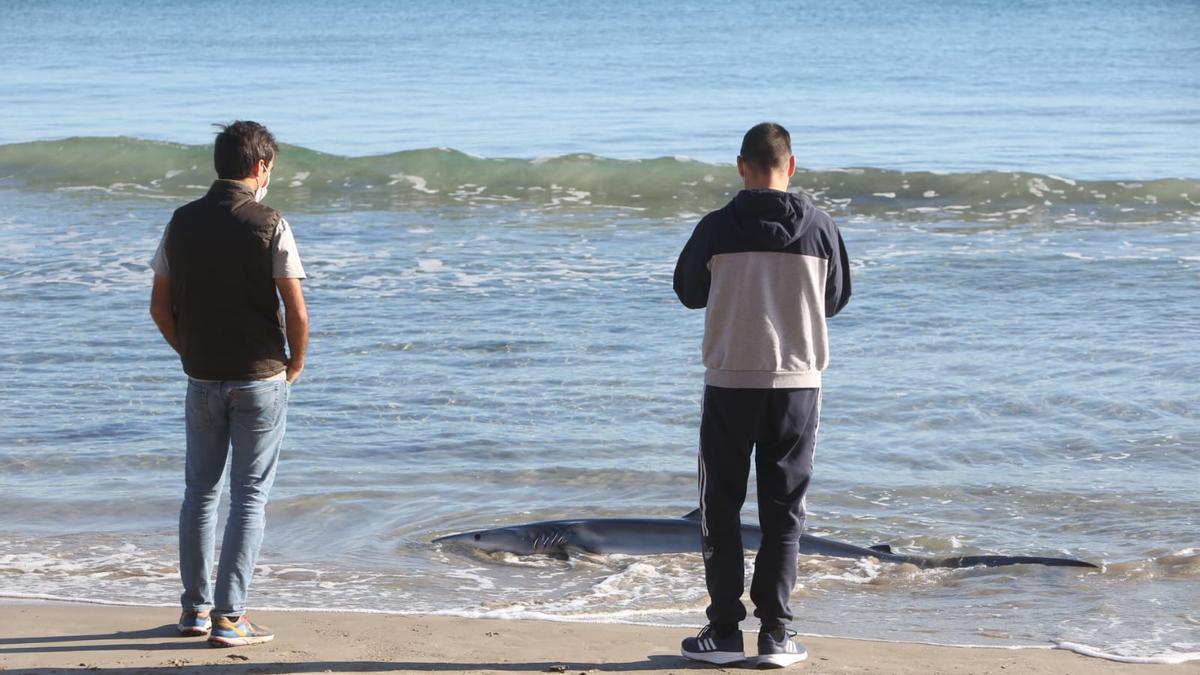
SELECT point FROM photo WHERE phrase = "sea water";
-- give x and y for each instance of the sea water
(489, 202)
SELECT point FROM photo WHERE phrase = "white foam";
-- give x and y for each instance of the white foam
(1168, 659)
(8, 595)
(418, 183)
(82, 188)
(616, 207)
(570, 196)
(472, 574)
(522, 613)
(863, 571)
(1038, 187)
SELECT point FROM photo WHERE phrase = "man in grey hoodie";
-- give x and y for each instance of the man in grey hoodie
(768, 268)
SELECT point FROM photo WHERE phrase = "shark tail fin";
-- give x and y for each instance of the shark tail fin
(694, 515)
(882, 548)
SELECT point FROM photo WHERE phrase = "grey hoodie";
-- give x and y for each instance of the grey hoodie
(769, 268)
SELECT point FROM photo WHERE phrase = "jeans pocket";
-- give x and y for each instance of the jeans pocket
(257, 406)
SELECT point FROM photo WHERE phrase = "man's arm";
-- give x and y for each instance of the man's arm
(837, 281)
(692, 276)
(160, 310)
(296, 317)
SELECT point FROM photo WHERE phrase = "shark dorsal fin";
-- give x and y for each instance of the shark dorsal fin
(882, 548)
(694, 515)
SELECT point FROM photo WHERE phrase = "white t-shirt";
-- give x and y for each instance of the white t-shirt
(285, 257)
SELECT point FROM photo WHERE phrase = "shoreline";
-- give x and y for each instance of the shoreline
(44, 637)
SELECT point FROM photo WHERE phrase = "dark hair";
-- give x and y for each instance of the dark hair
(239, 146)
(767, 146)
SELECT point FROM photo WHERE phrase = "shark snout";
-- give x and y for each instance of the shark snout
(501, 539)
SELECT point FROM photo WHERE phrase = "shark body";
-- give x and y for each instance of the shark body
(643, 536)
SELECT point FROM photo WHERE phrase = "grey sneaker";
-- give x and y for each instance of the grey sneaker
(776, 649)
(711, 648)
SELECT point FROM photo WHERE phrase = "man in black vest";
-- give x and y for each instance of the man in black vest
(223, 264)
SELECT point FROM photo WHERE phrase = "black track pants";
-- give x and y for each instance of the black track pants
(780, 426)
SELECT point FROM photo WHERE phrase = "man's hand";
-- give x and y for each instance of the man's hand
(293, 371)
(296, 316)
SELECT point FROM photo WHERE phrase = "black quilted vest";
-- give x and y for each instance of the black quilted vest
(225, 303)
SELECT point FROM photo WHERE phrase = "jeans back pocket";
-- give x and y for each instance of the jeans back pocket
(257, 406)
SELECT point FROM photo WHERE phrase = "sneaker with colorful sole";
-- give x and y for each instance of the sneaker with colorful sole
(193, 622)
(239, 632)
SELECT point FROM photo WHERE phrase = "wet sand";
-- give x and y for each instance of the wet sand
(53, 638)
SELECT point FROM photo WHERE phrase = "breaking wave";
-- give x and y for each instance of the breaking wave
(316, 181)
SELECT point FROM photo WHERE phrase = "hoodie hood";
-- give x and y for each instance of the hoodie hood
(771, 218)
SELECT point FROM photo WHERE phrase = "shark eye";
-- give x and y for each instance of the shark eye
(476, 537)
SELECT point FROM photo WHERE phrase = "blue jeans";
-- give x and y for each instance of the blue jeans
(251, 416)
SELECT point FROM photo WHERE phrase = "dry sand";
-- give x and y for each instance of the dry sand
(51, 638)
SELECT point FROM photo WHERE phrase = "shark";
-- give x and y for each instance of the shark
(647, 536)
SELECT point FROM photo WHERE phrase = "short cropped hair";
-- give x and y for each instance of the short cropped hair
(767, 146)
(240, 146)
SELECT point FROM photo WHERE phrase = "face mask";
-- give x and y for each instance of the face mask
(261, 192)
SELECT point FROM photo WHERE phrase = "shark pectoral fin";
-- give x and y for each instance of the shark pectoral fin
(573, 550)
(694, 515)
(882, 548)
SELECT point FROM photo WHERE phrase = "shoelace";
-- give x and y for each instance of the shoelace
(788, 645)
(788, 634)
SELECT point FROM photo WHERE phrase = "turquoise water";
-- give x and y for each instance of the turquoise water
(495, 336)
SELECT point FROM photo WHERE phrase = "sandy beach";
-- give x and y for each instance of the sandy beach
(48, 638)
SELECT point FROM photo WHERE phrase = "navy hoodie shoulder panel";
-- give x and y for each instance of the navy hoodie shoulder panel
(770, 220)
